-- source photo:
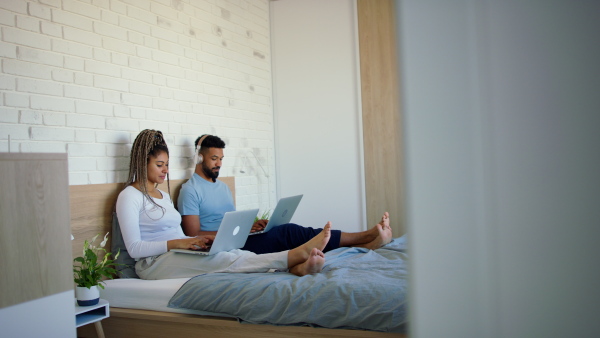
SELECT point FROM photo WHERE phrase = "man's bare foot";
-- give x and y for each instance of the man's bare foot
(385, 221)
(374, 231)
(384, 233)
(314, 264)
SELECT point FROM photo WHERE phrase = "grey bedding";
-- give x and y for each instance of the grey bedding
(357, 289)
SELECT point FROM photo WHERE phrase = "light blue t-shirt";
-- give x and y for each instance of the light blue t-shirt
(209, 200)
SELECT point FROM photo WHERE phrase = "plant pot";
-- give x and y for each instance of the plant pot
(87, 297)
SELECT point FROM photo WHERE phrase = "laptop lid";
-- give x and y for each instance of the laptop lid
(284, 210)
(232, 234)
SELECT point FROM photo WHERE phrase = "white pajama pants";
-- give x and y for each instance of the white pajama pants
(180, 265)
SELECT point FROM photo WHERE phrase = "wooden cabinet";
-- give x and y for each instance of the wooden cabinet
(35, 246)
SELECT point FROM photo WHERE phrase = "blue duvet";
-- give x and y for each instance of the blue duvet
(357, 289)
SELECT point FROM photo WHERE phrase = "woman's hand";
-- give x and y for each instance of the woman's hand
(194, 243)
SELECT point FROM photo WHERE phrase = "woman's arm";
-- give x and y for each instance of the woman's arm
(130, 204)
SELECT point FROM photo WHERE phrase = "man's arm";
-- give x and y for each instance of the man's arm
(259, 225)
(191, 226)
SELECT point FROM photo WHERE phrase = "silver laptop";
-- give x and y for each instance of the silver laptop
(232, 233)
(284, 210)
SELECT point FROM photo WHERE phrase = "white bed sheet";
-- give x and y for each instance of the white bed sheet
(132, 293)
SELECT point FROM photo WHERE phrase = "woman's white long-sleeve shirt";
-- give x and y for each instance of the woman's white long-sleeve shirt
(145, 228)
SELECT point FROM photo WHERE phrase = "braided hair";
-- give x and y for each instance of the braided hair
(148, 143)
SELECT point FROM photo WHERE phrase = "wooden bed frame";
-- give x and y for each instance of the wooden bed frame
(91, 212)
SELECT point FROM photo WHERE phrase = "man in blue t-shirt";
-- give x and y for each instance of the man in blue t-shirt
(204, 200)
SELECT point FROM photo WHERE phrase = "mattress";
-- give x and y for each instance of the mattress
(133, 293)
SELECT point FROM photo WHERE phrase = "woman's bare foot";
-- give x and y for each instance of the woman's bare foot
(319, 241)
(314, 264)
(304, 252)
(384, 233)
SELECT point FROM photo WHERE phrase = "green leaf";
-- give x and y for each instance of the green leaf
(90, 271)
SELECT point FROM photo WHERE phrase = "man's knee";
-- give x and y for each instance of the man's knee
(289, 229)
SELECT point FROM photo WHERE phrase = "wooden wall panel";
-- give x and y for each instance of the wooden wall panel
(381, 112)
(91, 212)
(35, 250)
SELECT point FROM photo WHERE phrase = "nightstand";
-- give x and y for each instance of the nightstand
(92, 314)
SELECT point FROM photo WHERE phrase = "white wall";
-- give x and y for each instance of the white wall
(84, 77)
(501, 125)
(318, 131)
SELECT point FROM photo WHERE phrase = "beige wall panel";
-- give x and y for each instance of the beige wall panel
(35, 250)
(91, 212)
(381, 112)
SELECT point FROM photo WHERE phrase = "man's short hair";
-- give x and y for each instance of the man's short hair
(210, 141)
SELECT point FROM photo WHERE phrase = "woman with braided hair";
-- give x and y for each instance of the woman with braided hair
(150, 225)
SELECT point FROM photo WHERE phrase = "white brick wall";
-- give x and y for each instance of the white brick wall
(84, 77)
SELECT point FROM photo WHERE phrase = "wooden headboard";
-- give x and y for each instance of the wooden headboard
(92, 206)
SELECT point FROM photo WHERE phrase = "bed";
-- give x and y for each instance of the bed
(269, 304)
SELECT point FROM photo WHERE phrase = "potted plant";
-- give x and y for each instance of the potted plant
(88, 274)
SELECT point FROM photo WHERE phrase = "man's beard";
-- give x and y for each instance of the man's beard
(209, 173)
